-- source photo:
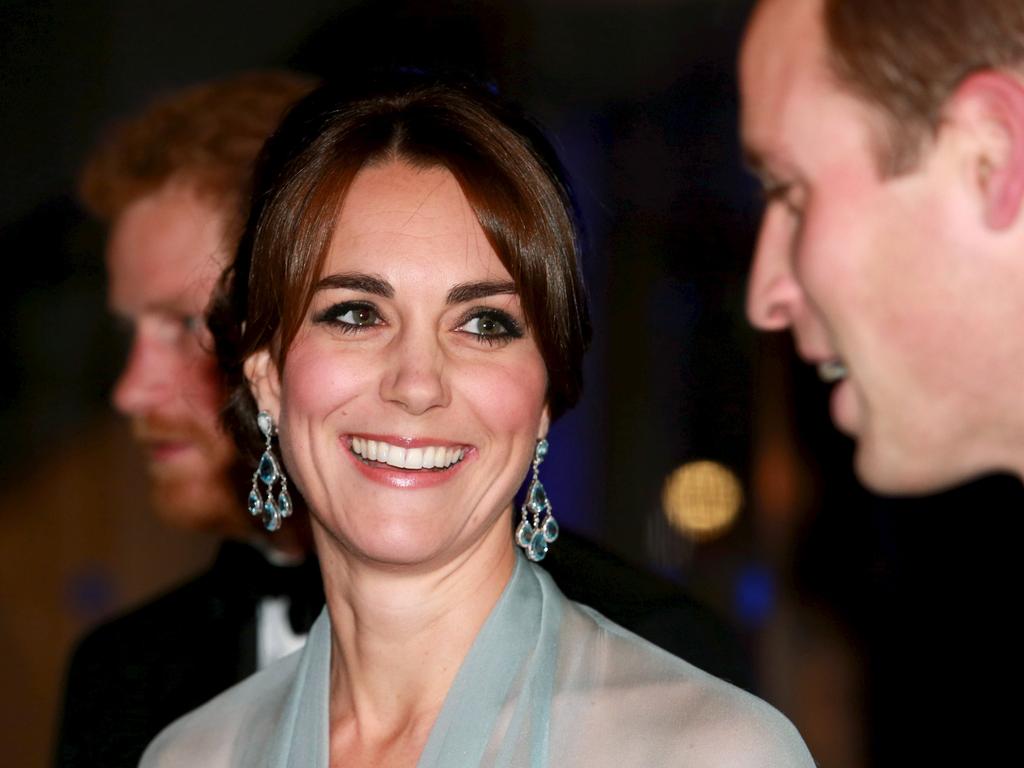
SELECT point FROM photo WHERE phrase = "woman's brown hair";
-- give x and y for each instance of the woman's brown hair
(506, 168)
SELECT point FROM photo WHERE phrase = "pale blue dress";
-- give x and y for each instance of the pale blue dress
(547, 682)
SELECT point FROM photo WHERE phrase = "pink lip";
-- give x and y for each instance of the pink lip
(405, 479)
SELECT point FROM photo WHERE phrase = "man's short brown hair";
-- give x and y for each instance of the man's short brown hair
(207, 135)
(906, 57)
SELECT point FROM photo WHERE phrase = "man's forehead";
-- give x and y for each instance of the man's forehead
(166, 248)
(782, 62)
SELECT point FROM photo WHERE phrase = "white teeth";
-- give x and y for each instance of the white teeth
(430, 457)
(831, 371)
(396, 456)
(414, 458)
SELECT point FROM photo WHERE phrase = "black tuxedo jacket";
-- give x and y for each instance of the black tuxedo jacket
(133, 676)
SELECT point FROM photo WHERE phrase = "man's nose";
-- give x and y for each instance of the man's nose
(146, 378)
(773, 293)
(415, 378)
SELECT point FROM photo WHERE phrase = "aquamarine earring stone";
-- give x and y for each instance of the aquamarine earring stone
(267, 470)
(524, 532)
(284, 503)
(550, 529)
(271, 515)
(541, 451)
(538, 547)
(537, 498)
(265, 422)
(255, 503)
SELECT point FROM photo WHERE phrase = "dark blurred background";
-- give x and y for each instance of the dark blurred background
(860, 614)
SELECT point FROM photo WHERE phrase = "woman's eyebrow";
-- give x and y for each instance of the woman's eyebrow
(357, 281)
(464, 292)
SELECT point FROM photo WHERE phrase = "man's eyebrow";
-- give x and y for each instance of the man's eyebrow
(357, 281)
(464, 292)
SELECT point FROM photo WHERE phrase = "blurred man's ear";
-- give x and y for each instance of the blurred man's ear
(988, 108)
(264, 382)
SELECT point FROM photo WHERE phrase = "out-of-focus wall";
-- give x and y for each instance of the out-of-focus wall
(79, 544)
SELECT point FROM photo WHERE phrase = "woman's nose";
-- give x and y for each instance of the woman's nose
(415, 379)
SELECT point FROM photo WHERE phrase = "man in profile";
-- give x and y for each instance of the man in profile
(889, 137)
(171, 185)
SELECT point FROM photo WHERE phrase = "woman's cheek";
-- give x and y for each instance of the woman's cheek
(319, 379)
(511, 394)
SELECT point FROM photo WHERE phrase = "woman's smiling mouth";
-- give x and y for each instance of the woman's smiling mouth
(412, 457)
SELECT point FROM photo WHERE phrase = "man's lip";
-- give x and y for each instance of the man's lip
(406, 442)
(160, 450)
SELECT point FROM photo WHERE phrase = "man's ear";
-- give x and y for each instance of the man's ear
(989, 107)
(265, 382)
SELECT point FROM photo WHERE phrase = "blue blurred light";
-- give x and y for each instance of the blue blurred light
(90, 593)
(754, 594)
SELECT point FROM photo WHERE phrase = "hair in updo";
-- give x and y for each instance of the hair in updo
(506, 168)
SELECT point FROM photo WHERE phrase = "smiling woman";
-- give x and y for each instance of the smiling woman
(406, 306)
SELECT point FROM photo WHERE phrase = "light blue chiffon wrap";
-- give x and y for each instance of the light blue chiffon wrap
(547, 682)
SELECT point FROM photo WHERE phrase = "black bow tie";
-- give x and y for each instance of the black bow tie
(258, 577)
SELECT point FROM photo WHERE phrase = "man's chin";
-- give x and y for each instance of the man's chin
(185, 506)
(896, 472)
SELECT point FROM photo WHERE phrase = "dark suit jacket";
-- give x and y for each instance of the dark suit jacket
(131, 677)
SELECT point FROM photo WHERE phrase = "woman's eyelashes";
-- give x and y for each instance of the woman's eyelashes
(485, 324)
(490, 326)
(350, 316)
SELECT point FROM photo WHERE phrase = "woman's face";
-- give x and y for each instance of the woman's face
(415, 344)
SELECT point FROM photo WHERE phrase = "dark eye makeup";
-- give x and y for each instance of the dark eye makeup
(349, 316)
(488, 325)
(491, 326)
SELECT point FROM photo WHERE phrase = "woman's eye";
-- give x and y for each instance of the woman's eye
(492, 327)
(350, 317)
(358, 316)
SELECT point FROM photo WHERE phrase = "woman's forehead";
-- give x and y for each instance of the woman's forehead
(399, 218)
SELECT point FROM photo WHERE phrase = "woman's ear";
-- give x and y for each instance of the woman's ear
(545, 423)
(264, 382)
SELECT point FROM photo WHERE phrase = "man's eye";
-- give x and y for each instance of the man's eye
(784, 195)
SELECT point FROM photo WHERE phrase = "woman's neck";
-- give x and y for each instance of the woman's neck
(399, 638)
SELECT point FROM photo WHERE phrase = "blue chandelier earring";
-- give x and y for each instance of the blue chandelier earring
(538, 528)
(269, 471)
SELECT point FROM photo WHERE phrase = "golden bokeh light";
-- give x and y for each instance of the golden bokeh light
(702, 499)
